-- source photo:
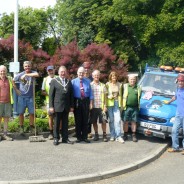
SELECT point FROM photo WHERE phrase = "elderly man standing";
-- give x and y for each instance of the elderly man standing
(61, 102)
(26, 80)
(6, 100)
(99, 105)
(131, 99)
(83, 99)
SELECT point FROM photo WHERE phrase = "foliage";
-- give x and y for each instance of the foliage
(32, 25)
(39, 98)
(41, 122)
(68, 56)
(6, 50)
(86, 36)
(49, 45)
(142, 30)
(36, 26)
(13, 126)
(6, 25)
(101, 57)
(91, 21)
(157, 24)
(26, 52)
(42, 125)
(138, 31)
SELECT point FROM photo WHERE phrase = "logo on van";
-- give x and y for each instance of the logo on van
(155, 104)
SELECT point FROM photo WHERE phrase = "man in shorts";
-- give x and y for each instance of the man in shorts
(25, 93)
(45, 92)
(131, 99)
(99, 105)
(6, 101)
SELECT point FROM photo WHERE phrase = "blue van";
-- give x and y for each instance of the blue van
(156, 118)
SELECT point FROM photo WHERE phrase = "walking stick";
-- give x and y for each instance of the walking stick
(35, 138)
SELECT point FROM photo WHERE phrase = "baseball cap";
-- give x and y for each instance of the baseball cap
(180, 77)
(50, 68)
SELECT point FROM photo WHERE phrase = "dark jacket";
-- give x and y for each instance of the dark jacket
(61, 97)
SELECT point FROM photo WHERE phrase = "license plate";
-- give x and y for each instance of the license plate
(149, 125)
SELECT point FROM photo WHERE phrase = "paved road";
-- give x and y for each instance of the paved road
(168, 169)
(22, 160)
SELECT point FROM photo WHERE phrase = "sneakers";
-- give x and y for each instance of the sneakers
(50, 137)
(7, 138)
(171, 150)
(90, 136)
(96, 137)
(105, 138)
(120, 139)
(134, 138)
(112, 139)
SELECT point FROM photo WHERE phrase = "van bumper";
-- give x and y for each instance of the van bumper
(162, 133)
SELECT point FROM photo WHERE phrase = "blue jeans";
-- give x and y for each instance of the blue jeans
(115, 120)
(179, 123)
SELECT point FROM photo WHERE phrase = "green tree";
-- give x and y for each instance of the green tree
(33, 25)
(138, 31)
(93, 21)
(157, 25)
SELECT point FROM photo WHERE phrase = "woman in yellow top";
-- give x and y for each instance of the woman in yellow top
(114, 103)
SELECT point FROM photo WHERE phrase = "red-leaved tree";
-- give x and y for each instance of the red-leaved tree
(25, 52)
(101, 57)
(69, 56)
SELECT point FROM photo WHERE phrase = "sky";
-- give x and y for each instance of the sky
(8, 6)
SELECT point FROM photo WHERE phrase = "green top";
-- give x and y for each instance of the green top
(132, 99)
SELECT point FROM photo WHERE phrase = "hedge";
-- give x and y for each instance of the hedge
(41, 122)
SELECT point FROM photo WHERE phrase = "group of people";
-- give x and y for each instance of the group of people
(90, 100)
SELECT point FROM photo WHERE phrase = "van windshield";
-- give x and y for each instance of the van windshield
(159, 84)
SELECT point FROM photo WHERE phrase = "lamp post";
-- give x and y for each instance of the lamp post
(15, 105)
(16, 32)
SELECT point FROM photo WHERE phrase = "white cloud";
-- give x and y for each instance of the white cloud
(8, 6)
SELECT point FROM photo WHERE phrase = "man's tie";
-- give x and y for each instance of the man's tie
(82, 89)
(63, 82)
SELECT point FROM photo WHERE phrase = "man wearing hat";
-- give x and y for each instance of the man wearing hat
(45, 91)
(179, 118)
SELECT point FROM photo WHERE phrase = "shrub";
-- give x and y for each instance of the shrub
(40, 113)
(42, 124)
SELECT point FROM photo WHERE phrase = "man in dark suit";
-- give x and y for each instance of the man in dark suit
(61, 101)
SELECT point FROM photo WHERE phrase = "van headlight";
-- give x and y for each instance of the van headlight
(172, 120)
